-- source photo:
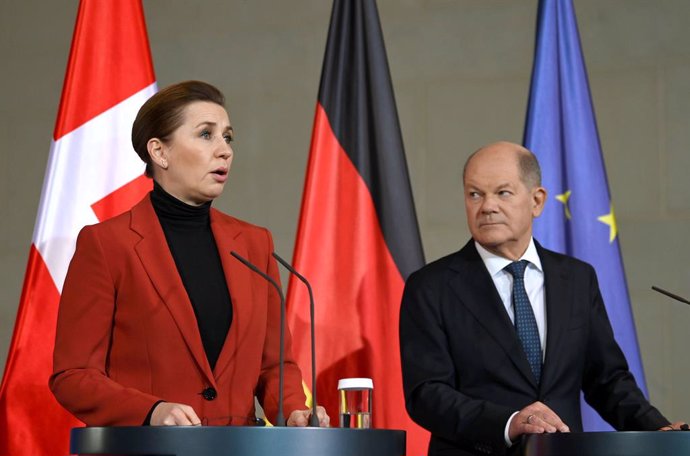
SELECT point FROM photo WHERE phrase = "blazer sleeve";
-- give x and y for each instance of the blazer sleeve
(432, 397)
(85, 320)
(608, 385)
(268, 388)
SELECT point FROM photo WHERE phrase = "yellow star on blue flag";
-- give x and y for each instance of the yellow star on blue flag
(563, 198)
(610, 220)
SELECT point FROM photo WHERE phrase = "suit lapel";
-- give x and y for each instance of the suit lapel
(476, 291)
(558, 309)
(155, 256)
(229, 238)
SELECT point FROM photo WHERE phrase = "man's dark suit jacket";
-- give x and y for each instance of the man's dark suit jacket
(464, 370)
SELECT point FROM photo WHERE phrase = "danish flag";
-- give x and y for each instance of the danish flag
(93, 174)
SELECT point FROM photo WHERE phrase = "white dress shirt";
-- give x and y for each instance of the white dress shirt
(534, 285)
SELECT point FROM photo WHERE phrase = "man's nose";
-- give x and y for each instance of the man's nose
(489, 205)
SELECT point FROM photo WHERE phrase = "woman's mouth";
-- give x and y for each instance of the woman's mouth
(220, 174)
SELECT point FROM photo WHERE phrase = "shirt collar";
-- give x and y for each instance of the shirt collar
(495, 263)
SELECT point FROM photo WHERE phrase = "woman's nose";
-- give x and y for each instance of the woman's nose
(224, 150)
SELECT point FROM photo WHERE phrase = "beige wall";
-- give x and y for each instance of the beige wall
(461, 73)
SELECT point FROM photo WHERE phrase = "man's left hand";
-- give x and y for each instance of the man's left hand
(677, 426)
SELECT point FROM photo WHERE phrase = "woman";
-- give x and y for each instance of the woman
(158, 324)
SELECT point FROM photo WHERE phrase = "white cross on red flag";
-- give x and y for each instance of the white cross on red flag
(93, 174)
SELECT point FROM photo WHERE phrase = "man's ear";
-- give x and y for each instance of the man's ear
(157, 152)
(538, 200)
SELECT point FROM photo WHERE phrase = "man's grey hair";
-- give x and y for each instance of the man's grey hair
(530, 171)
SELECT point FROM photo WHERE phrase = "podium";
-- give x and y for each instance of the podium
(235, 441)
(607, 444)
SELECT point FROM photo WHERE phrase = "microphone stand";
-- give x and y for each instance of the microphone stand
(313, 419)
(684, 426)
(280, 417)
(670, 295)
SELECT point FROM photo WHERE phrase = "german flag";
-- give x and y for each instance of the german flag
(358, 238)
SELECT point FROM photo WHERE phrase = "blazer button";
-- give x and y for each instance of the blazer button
(209, 394)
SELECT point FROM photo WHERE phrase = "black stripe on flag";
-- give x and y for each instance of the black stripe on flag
(357, 95)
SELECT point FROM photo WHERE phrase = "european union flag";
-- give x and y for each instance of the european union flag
(579, 217)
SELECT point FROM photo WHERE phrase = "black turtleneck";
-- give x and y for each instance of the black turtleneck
(188, 232)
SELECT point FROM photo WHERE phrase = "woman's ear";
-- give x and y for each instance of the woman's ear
(156, 150)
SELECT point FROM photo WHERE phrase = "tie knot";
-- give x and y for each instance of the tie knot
(517, 268)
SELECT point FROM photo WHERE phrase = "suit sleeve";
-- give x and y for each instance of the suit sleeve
(268, 390)
(608, 385)
(432, 396)
(80, 381)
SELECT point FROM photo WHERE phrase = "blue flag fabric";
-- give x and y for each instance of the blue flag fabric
(578, 219)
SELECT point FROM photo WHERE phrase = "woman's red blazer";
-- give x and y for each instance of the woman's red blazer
(127, 336)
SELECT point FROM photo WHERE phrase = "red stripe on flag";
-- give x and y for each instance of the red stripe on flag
(109, 61)
(24, 389)
(357, 287)
(122, 199)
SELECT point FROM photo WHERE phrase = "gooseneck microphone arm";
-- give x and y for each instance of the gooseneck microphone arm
(313, 419)
(280, 418)
(670, 295)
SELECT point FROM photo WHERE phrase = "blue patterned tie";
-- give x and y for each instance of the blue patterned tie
(525, 323)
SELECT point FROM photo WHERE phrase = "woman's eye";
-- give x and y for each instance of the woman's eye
(227, 138)
(205, 134)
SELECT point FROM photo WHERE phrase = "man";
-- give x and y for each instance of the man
(498, 339)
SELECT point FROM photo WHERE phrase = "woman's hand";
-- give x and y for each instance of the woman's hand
(172, 414)
(301, 417)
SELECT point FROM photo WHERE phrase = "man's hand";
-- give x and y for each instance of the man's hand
(172, 414)
(301, 417)
(536, 418)
(677, 426)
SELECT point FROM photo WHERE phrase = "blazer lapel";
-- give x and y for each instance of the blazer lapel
(558, 309)
(477, 293)
(154, 253)
(229, 238)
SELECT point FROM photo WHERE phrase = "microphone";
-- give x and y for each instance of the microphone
(670, 295)
(280, 418)
(313, 419)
